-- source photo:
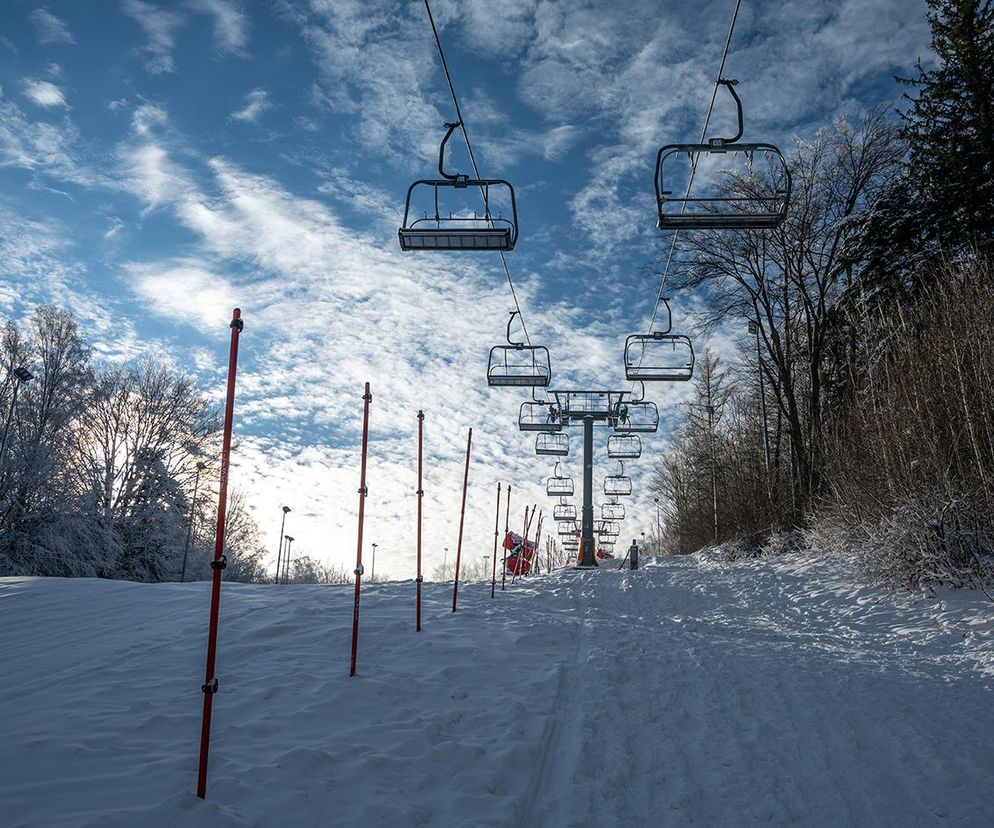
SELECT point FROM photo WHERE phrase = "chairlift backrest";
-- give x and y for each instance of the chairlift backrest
(752, 211)
(517, 364)
(612, 511)
(564, 511)
(617, 485)
(445, 231)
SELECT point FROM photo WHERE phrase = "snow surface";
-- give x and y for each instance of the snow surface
(687, 693)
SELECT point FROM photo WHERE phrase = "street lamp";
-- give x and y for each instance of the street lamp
(21, 374)
(286, 565)
(445, 560)
(193, 508)
(659, 530)
(372, 569)
(279, 553)
(754, 329)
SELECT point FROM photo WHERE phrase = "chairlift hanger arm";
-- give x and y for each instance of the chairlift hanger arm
(458, 179)
(730, 86)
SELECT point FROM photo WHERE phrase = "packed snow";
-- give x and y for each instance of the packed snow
(686, 693)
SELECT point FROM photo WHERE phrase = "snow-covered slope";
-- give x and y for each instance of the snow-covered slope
(764, 692)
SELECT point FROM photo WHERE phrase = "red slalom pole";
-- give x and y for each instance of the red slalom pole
(462, 519)
(366, 399)
(524, 544)
(493, 578)
(421, 420)
(210, 685)
(507, 528)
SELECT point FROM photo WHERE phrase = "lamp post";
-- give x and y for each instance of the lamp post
(193, 510)
(372, 569)
(286, 565)
(659, 530)
(445, 560)
(279, 552)
(754, 329)
(21, 374)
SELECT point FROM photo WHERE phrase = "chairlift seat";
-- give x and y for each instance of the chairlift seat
(559, 487)
(520, 366)
(612, 511)
(637, 417)
(624, 446)
(568, 527)
(554, 445)
(564, 511)
(618, 484)
(536, 416)
(659, 357)
(759, 212)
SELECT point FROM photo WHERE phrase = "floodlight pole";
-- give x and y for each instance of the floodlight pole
(587, 538)
(210, 685)
(20, 375)
(363, 491)
(279, 554)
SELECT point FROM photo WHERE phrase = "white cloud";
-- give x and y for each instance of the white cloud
(159, 26)
(230, 23)
(256, 102)
(43, 93)
(183, 290)
(50, 28)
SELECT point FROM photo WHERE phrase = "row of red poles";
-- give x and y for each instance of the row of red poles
(210, 685)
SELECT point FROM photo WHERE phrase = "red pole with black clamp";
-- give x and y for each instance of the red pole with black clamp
(493, 577)
(421, 420)
(507, 528)
(210, 685)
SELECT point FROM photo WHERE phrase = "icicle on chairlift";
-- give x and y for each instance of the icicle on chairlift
(758, 211)
(517, 364)
(563, 511)
(618, 483)
(552, 444)
(636, 416)
(459, 232)
(624, 446)
(659, 356)
(557, 485)
(612, 511)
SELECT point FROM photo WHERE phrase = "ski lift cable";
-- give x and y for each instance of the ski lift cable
(693, 167)
(472, 159)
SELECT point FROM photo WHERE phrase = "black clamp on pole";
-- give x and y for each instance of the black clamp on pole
(210, 688)
(220, 563)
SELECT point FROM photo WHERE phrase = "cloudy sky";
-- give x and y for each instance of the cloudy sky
(161, 162)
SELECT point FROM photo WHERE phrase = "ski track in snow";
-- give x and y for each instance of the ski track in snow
(687, 693)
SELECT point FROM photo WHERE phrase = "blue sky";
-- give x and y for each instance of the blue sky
(163, 162)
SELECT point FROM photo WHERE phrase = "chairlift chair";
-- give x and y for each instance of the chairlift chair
(608, 528)
(440, 231)
(557, 485)
(618, 484)
(537, 415)
(745, 212)
(564, 511)
(636, 417)
(517, 364)
(568, 527)
(624, 446)
(612, 511)
(659, 355)
(552, 444)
